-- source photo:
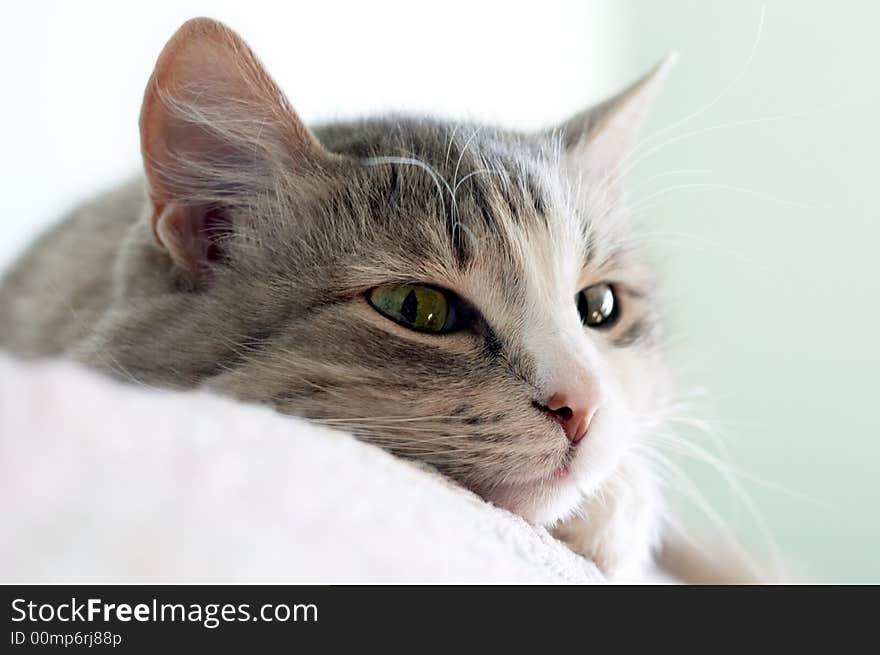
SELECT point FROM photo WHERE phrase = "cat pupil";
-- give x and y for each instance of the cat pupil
(410, 306)
(597, 306)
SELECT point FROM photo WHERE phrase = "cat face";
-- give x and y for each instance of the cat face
(464, 296)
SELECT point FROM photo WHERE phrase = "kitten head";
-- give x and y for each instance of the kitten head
(458, 294)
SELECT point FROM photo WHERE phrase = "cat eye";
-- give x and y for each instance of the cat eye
(414, 306)
(598, 306)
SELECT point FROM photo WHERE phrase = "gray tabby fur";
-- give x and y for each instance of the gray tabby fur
(515, 223)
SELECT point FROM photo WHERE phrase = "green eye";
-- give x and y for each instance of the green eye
(419, 308)
(598, 306)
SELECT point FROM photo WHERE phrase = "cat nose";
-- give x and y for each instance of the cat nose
(574, 410)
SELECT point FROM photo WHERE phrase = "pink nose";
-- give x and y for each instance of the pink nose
(574, 411)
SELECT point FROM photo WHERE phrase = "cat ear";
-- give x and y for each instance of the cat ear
(601, 137)
(214, 127)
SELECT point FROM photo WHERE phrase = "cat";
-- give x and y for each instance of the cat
(462, 295)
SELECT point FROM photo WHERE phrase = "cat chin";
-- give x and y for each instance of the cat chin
(543, 502)
(560, 496)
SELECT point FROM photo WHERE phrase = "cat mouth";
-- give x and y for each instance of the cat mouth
(561, 473)
(556, 476)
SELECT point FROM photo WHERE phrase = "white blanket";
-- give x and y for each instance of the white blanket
(106, 482)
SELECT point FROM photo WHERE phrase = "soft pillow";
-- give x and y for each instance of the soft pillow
(108, 482)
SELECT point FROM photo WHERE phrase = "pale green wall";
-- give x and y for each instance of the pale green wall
(771, 269)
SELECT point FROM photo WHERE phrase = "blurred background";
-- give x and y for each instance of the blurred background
(753, 186)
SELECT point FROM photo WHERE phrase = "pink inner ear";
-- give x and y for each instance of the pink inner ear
(216, 225)
(192, 235)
